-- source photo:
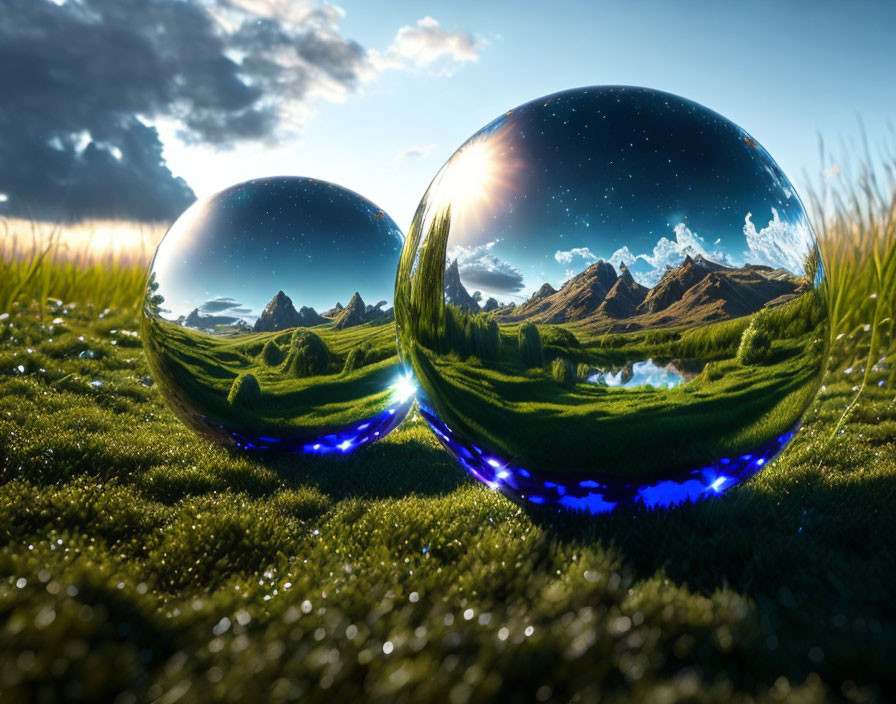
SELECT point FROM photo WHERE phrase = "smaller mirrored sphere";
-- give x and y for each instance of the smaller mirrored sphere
(268, 320)
(610, 296)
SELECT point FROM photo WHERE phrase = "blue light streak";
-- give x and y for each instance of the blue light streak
(341, 442)
(601, 494)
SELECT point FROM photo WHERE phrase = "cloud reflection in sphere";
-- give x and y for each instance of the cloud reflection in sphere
(268, 318)
(609, 296)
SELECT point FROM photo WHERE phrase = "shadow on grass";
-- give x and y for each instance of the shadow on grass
(734, 540)
(404, 465)
(814, 555)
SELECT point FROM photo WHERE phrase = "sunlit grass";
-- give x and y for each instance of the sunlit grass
(854, 216)
(100, 262)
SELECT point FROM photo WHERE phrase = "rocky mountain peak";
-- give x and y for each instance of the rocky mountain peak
(708, 264)
(673, 285)
(624, 297)
(545, 291)
(697, 290)
(355, 313)
(279, 314)
(334, 311)
(455, 292)
(309, 317)
(355, 303)
(600, 272)
(625, 274)
(358, 313)
(577, 298)
(598, 279)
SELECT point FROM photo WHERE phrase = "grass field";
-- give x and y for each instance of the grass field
(199, 370)
(518, 411)
(140, 563)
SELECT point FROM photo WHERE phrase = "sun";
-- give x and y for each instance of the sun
(477, 178)
(468, 177)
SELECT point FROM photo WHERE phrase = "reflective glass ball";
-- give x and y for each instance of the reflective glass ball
(268, 318)
(609, 296)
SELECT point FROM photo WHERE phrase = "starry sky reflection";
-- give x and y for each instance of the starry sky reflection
(318, 242)
(621, 174)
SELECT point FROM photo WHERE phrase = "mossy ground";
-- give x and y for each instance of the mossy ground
(140, 563)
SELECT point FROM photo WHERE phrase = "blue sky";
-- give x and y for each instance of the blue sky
(112, 96)
(786, 72)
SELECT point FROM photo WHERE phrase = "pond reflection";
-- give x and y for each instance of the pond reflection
(636, 374)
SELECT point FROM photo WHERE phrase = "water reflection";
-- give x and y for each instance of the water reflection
(646, 373)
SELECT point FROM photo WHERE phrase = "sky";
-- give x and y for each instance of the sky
(632, 176)
(319, 243)
(131, 108)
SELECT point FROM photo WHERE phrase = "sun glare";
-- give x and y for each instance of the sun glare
(477, 177)
(84, 242)
(469, 176)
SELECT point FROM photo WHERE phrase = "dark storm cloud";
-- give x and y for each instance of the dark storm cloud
(216, 305)
(479, 267)
(77, 78)
(497, 280)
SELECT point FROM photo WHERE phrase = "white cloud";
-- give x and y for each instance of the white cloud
(566, 257)
(417, 151)
(647, 268)
(480, 268)
(779, 244)
(429, 47)
(296, 54)
(686, 240)
(295, 12)
(624, 255)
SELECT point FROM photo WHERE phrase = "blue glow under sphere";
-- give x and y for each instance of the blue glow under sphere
(268, 318)
(610, 295)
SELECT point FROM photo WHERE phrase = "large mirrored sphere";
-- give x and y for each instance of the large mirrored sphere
(268, 318)
(609, 296)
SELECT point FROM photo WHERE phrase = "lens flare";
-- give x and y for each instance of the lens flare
(478, 178)
(404, 388)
